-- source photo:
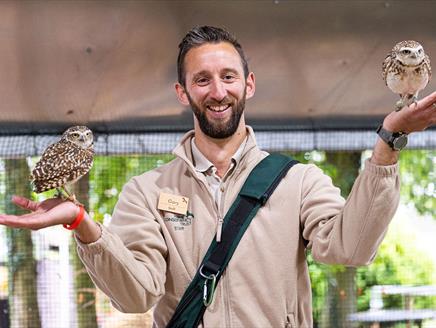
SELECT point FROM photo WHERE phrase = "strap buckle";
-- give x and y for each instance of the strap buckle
(208, 295)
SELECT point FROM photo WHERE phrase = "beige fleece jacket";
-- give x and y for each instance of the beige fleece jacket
(147, 257)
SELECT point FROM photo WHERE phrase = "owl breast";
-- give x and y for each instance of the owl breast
(407, 80)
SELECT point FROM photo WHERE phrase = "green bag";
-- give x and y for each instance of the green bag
(258, 187)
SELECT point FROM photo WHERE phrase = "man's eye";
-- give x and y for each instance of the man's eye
(202, 81)
(228, 77)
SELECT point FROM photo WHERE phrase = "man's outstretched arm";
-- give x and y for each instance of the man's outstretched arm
(48, 213)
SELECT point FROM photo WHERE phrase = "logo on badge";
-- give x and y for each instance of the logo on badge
(180, 221)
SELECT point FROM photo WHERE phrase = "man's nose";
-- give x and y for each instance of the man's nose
(218, 90)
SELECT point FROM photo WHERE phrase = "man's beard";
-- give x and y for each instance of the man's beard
(219, 129)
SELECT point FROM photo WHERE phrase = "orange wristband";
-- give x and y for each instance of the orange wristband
(77, 220)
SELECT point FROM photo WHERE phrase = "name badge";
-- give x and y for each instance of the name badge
(173, 203)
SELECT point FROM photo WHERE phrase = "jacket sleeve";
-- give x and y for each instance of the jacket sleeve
(128, 261)
(348, 232)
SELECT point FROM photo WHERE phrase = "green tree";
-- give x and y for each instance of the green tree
(341, 292)
(418, 179)
(333, 287)
(23, 302)
(399, 262)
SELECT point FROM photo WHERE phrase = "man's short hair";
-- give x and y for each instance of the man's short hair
(201, 35)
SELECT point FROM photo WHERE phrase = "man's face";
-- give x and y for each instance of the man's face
(216, 88)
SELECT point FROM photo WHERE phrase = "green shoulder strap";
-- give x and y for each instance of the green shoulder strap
(260, 184)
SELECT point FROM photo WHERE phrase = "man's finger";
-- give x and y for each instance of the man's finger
(24, 221)
(12, 221)
(427, 101)
(25, 203)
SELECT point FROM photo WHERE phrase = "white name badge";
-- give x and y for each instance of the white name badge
(173, 203)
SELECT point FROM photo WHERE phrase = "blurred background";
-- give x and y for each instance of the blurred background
(320, 96)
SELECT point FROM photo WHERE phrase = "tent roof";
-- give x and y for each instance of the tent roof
(111, 64)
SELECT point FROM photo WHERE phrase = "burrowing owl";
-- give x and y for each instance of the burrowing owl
(65, 161)
(406, 71)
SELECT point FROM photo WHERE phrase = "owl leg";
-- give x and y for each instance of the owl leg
(70, 196)
(401, 103)
(413, 99)
(59, 193)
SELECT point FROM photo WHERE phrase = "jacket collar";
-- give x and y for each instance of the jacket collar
(202, 164)
(183, 150)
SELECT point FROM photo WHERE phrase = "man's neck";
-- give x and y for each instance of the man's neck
(220, 151)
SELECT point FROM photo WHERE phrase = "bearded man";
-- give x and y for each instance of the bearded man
(151, 251)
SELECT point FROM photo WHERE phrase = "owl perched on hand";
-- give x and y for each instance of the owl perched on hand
(65, 161)
(406, 71)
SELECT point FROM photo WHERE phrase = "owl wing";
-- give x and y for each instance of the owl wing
(387, 63)
(427, 64)
(61, 163)
(51, 160)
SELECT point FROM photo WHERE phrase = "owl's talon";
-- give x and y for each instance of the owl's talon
(73, 199)
(414, 101)
(399, 105)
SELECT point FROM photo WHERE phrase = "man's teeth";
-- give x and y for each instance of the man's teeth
(218, 108)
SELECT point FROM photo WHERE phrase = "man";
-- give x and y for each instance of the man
(149, 253)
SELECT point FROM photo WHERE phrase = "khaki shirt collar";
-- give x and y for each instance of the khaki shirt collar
(183, 150)
(202, 164)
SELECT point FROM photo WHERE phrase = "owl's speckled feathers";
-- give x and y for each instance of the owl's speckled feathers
(406, 71)
(65, 161)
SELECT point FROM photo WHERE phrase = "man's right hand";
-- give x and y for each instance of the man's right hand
(48, 213)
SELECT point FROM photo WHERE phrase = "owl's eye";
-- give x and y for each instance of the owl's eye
(75, 135)
(405, 52)
(420, 51)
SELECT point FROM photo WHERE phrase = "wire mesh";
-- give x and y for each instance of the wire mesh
(58, 300)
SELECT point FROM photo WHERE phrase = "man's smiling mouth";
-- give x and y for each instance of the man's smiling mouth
(218, 109)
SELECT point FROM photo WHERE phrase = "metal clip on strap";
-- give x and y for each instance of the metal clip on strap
(208, 296)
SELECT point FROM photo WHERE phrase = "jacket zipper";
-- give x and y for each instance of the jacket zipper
(219, 228)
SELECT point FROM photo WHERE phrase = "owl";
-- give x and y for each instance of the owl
(406, 71)
(64, 162)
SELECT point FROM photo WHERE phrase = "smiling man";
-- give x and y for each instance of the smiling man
(166, 218)
(214, 81)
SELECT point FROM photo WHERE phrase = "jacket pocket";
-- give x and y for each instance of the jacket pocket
(290, 321)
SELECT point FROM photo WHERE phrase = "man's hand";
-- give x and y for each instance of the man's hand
(48, 213)
(416, 117)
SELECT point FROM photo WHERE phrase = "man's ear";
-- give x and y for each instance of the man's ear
(250, 86)
(181, 94)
